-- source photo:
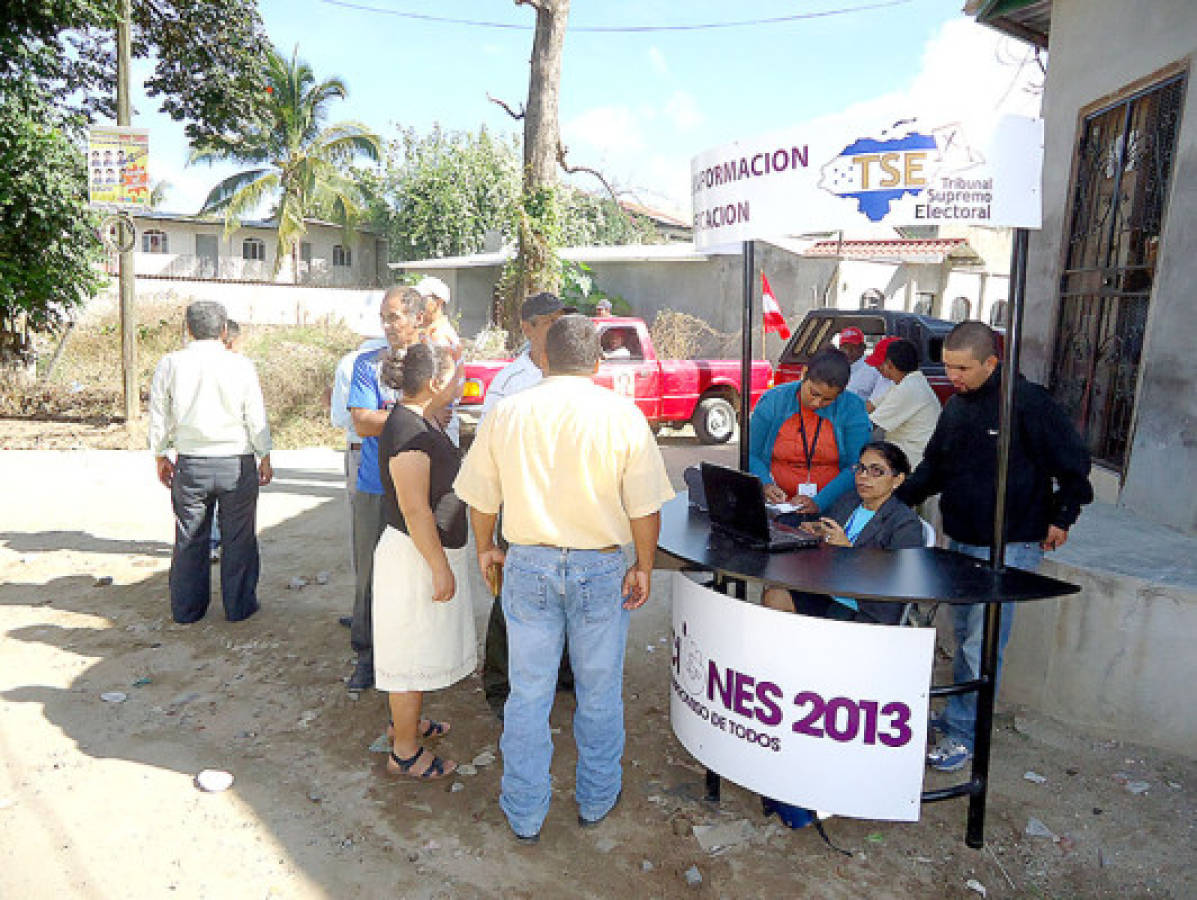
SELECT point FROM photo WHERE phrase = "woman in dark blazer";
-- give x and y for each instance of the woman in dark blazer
(870, 517)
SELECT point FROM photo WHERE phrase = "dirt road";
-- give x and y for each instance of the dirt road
(97, 798)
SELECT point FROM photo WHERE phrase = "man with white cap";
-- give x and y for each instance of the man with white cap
(437, 330)
(367, 324)
(602, 308)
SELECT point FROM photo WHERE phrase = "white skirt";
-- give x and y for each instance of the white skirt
(419, 645)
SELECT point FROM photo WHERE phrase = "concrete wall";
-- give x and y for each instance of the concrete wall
(1116, 659)
(1099, 48)
(255, 304)
(709, 288)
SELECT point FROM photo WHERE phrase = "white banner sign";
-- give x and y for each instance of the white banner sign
(822, 714)
(906, 172)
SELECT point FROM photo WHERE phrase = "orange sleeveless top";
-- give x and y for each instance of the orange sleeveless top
(789, 466)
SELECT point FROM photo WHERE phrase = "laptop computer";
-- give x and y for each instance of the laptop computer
(736, 506)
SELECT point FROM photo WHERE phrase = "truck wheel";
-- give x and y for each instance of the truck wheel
(714, 421)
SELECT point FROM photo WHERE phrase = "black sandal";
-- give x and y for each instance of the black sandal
(434, 730)
(435, 770)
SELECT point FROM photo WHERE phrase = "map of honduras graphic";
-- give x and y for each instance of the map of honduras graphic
(848, 175)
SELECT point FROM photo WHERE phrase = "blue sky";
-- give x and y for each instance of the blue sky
(636, 105)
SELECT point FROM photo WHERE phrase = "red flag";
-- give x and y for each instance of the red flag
(774, 321)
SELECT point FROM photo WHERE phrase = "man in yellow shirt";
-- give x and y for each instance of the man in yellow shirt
(578, 474)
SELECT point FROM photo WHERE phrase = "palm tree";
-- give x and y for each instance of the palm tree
(297, 161)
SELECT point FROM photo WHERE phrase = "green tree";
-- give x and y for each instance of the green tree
(57, 74)
(439, 193)
(65, 48)
(48, 244)
(299, 163)
(589, 219)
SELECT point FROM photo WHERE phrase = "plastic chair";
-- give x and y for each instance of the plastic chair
(911, 614)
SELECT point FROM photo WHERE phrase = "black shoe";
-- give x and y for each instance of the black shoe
(362, 678)
(527, 839)
(590, 823)
(347, 621)
(497, 703)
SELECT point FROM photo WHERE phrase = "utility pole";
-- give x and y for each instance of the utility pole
(125, 278)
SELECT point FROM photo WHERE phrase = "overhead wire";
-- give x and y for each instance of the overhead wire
(616, 29)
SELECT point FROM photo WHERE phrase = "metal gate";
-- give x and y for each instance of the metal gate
(1124, 163)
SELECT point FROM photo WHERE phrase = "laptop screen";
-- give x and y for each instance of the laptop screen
(735, 501)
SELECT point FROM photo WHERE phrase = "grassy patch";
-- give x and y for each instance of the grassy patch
(295, 366)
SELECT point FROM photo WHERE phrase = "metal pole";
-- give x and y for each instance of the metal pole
(125, 276)
(986, 694)
(1018, 286)
(746, 351)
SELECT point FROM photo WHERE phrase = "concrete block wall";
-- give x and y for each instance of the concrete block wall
(1118, 659)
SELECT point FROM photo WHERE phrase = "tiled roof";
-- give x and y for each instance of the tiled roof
(218, 219)
(926, 251)
(656, 215)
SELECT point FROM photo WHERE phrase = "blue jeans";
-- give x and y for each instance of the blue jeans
(968, 621)
(551, 595)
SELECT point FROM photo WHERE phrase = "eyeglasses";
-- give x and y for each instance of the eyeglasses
(873, 471)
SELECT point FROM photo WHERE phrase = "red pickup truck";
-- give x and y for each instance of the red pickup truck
(671, 393)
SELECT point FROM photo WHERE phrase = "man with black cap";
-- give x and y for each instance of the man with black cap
(537, 315)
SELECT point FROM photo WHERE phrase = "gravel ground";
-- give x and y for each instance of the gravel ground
(98, 799)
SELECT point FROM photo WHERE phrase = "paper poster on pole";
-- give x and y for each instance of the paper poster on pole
(823, 714)
(899, 171)
(118, 167)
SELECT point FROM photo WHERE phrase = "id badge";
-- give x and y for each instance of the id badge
(807, 489)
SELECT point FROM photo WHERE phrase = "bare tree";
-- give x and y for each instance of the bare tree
(535, 267)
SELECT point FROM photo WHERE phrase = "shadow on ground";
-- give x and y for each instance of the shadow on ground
(312, 813)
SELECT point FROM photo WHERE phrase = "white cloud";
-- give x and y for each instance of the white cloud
(968, 72)
(657, 59)
(683, 111)
(605, 129)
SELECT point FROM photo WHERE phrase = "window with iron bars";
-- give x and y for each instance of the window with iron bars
(1123, 167)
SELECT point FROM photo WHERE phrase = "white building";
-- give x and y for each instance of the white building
(176, 246)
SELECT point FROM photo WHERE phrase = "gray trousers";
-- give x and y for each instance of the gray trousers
(353, 459)
(368, 524)
(230, 485)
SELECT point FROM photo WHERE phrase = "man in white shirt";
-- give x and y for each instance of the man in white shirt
(537, 315)
(909, 411)
(206, 404)
(864, 377)
(615, 344)
(578, 474)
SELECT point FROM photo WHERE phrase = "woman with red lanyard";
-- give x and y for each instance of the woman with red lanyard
(806, 436)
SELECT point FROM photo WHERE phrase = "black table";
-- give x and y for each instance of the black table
(923, 574)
